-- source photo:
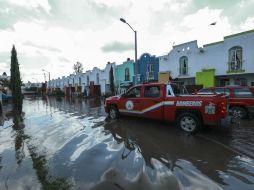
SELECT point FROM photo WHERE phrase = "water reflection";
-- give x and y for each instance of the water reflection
(18, 127)
(24, 149)
(47, 181)
(0, 162)
(64, 143)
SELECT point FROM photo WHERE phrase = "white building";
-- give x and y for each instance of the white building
(231, 61)
(104, 78)
(83, 81)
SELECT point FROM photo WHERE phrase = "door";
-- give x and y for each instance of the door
(131, 101)
(152, 104)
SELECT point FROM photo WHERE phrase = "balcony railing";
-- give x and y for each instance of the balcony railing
(150, 75)
(183, 71)
(235, 66)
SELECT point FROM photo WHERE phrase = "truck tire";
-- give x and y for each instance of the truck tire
(188, 122)
(239, 112)
(113, 112)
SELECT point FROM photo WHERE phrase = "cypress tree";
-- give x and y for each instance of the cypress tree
(111, 81)
(15, 82)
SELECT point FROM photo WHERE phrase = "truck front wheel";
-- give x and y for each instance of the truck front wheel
(188, 122)
(113, 112)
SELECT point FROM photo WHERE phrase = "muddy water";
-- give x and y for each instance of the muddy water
(68, 144)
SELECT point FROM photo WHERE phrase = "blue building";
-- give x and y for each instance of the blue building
(148, 68)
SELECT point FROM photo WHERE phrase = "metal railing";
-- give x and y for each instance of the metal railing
(183, 71)
(235, 66)
(150, 75)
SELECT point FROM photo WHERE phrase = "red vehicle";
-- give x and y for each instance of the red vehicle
(170, 102)
(241, 99)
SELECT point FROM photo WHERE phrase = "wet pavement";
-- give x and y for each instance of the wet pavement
(61, 143)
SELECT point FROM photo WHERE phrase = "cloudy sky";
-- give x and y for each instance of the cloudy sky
(55, 34)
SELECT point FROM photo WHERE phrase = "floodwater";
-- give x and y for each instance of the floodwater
(61, 143)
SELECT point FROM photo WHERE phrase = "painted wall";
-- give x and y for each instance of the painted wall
(211, 56)
(164, 77)
(104, 79)
(120, 72)
(143, 62)
(171, 62)
(206, 78)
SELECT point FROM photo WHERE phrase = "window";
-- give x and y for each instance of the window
(127, 74)
(222, 91)
(179, 89)
(241, 81)
(97, 78)
(87, 80)
(134, 92)
(235, 59)
(152, 92)
(205, 91)
(227, 91)
(183, 65)
(243, 93)
(79, 81)
(150, 69)
(224, 82)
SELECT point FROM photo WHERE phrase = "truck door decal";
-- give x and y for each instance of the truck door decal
(164, 103)
(189, 103)
(129, 105)
(210, 109)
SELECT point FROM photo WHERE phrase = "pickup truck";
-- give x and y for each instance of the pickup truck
(241, 99)
(170, 102)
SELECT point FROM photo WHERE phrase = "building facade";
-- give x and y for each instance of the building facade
(228, 62)
(124, 76)
(148, 68)
(91, 83)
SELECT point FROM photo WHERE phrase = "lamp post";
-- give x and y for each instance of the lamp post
(47, 72)
(47, 90)
(136, 64)
(37, 84)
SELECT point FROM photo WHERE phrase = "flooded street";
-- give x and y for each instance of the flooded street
(69, 144)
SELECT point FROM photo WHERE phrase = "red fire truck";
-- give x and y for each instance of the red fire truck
(172, 103)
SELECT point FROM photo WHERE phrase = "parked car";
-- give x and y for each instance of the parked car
(170, 102)
(241, 99)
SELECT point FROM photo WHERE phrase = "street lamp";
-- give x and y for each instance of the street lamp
(37, 84)
(136, 64)
(47, 72)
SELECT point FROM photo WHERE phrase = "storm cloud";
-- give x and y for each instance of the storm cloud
(28, 43)
(117, 47)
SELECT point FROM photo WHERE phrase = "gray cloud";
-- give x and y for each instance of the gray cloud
(33, 62)
(5, 56)
(83, 14)
(64, 59)
(28, 43)
(10, 14)
(117, 47)
(79, 15)
(237, 12)
(4, 67)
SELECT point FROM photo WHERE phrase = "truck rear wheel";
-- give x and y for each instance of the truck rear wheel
(113, 112)
(188, 122)
(239, 112)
